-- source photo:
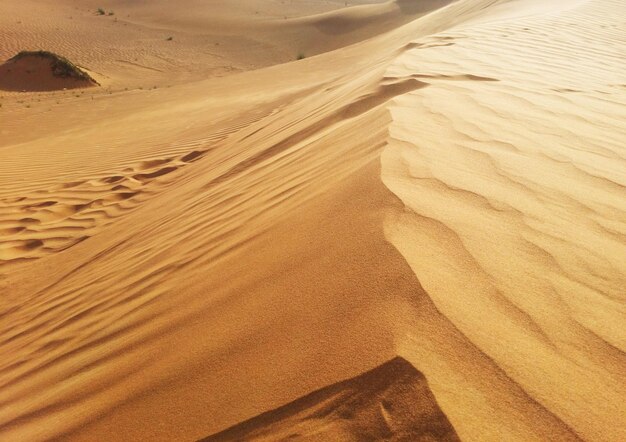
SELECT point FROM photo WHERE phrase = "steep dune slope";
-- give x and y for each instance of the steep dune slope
(451, 192)
(517, 197)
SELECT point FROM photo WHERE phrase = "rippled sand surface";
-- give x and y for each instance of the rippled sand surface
(417, 232)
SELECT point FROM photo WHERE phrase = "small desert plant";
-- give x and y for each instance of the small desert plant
(100, 11)
(111, 13)
(169, 38)
(301, 56)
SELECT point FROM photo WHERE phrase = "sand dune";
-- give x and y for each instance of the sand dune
(42, 71)
(160, 43)
(545, 189)
(242, 255)
(315, 34)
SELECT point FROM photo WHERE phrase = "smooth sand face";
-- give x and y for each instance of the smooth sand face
(189, 248)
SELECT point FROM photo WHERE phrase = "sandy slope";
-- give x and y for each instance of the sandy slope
(519, 195)
(176, 261)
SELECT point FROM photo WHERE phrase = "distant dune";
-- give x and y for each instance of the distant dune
(319, 33)
(223, 239)
(42, 71)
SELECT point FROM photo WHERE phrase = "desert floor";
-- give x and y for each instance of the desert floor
(316, 220)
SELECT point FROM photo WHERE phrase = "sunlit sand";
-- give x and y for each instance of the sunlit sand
(313, 220)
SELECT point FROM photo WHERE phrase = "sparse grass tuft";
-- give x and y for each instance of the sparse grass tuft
(100, 11)
(301, 56)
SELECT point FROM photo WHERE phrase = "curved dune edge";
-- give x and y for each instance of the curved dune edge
(389, 402)
(332, 228)
(517, 205)
(316, 34)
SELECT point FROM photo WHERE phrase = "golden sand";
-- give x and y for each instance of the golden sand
(416, 231)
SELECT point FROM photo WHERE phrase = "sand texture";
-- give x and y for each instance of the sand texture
(416, 232)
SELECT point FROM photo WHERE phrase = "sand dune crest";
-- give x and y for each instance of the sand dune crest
(185, 251)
